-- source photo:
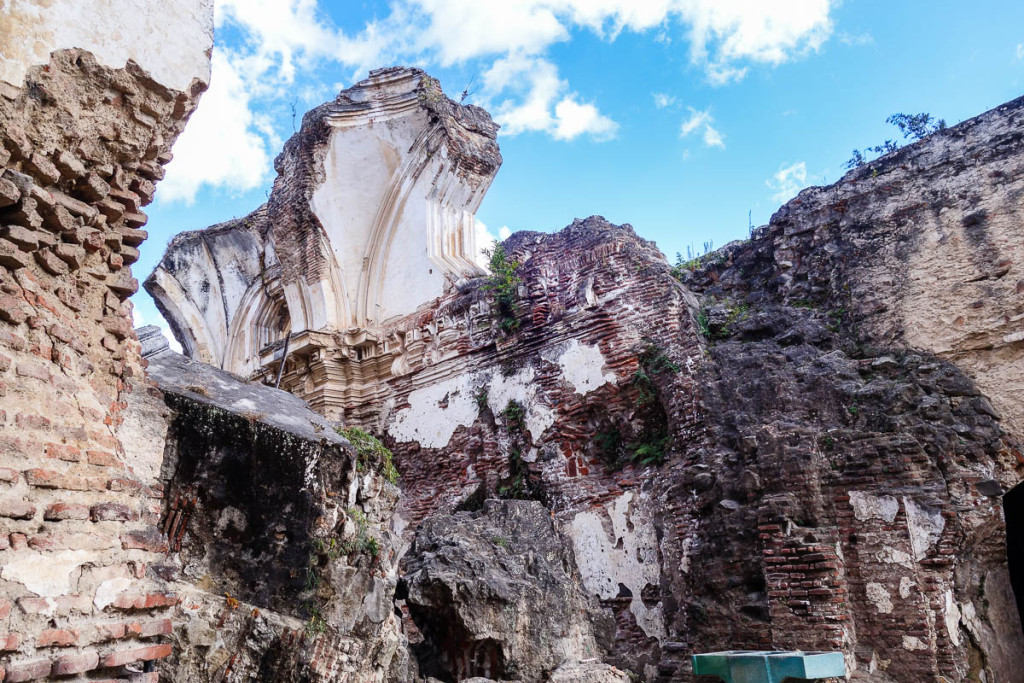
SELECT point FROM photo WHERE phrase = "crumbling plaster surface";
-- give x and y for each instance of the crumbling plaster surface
(115, 31)
(435, 412)
(628, 556)
(371, 215)
(936, 231)
(821, 484)
(495, 593)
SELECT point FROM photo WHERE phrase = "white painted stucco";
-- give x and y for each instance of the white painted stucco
(951, 615)
(925, 526)
(879, 597)
(582, 366)
(913, 643)
(45, 574)
(108, 591)
(398, 217)
(869, 506)
(170, 39)
(895, 556)
(436, 411)
(620, 546)
(521, 388)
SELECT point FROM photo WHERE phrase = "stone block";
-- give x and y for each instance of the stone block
(17, 509)
(148, 653)
(11, 256)
(42, 169)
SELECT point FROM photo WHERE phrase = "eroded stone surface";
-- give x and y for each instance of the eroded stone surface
(495, 593)
(280, 548)
(763, 453)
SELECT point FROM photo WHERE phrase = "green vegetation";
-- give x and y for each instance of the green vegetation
(316, 624)
(518, 485)
(651, 451)
(716, 329)
(504, 285)
(363, 542)
(653, 362)
(693, 259)
(912, 126)
(608, 444)
(324, 551)
(500, 541)
(481, 399)
(702, 323)
(515, 417)
(651, 442)
(370, 452)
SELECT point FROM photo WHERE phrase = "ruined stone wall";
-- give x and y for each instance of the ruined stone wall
(826, 486)
(856, 341)
(923, 249)
(280, 547)
(83, 143)
(555, 412)
(371, 216)
(799, 443)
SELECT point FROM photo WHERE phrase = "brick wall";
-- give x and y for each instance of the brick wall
(82, 147)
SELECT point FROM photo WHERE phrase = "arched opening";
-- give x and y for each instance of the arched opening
(1013, 509)
(272, 324)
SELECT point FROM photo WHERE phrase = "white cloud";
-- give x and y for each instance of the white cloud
(538, 101)
(485, 241)
(573, 118)
(662, 100)
(725, 32)
(856, 40)
(224, 145)
(788, 181)
(282, 39)
(712, 138)
(701, 121)
(1020, 52)
(696, 120)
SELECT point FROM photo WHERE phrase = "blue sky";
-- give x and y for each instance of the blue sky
(681, 117)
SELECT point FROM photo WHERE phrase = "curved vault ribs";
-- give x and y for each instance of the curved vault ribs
(413, 228)
(187, 321)
(451, 238)
(385, 224)
(324, 303)
(261, 300)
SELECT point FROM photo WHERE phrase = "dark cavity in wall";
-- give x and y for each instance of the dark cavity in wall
(450, 654)
(1013, 508)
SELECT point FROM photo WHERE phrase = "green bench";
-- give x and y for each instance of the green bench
(751, 666)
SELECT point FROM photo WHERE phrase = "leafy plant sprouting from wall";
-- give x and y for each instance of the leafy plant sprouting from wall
(370, 452)
(520, 483)
(913, 127)
(504, 286)
(652, 445)
(694, 259)
(515, 417)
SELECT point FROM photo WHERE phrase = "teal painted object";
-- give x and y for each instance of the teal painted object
(752, 666)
